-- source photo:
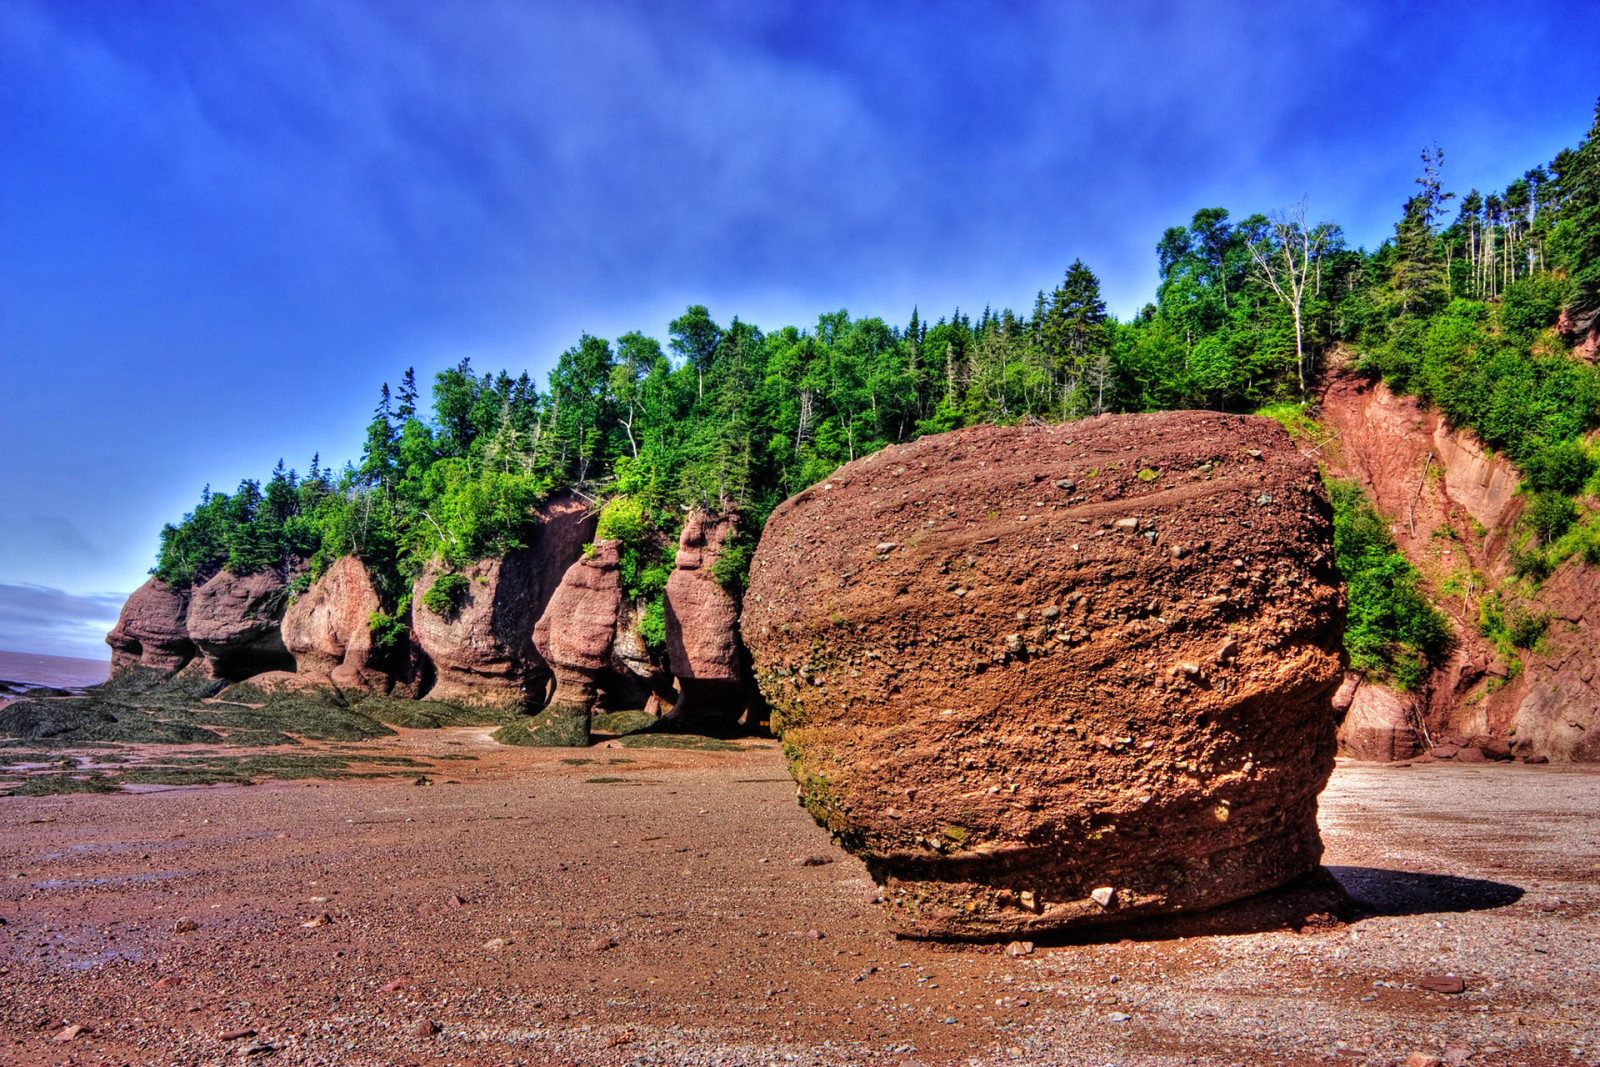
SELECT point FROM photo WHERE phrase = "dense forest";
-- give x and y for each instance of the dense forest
(1461, 307)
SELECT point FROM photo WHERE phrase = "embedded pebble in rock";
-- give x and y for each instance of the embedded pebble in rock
(1032, 697)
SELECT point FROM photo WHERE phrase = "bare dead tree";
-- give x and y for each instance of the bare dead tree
(1286, 256)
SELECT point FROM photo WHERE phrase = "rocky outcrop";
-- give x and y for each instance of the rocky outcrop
(233, 619)
(703, 648)
(1454, 509)
(328, 632)
(1582, 331)
(151, 638)
(1379, 723)
(577, 637)
(1044, 676)
(482, 651)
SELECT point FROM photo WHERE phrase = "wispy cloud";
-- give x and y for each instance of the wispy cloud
(35, 618)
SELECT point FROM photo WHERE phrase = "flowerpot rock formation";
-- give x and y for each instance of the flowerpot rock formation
(482, 651)
(577, 637)
(703, 649)
(151, 638)
(234, 620)
(328, 631)
(1045, 676)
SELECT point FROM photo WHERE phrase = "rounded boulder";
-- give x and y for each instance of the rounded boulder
(1043, 676)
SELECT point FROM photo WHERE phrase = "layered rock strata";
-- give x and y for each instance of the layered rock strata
(1046, 676)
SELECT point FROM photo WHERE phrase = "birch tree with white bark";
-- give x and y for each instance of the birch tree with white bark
(1287, 256)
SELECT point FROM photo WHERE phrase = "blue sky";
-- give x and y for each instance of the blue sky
(223, 224)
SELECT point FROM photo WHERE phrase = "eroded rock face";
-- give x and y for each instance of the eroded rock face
(1379, 723)
(577, 636)
(1454, 509)
(234, 620)
(327, 631)
(482, 653)
(1044, 676)
(703, 649)
(151, 637)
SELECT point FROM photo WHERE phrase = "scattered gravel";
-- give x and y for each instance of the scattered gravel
(1488, 874)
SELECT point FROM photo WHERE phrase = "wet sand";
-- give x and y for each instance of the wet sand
(677, 907)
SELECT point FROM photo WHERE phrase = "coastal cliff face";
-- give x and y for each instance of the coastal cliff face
(1044, 676)
(1454, 510)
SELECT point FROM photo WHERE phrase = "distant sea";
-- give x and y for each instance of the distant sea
(61, 671)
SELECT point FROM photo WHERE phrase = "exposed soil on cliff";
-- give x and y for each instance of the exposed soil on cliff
(642, 906)
(1454, 510)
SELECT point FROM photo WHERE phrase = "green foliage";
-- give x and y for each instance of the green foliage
(653, 625)
(1525, 628)
(389, 632)
(447, 593)
(1562, 467)
(1532, 304)
(1393, 629)
(732, 568)
(1550, 515)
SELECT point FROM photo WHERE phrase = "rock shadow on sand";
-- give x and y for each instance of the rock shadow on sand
(1377, 891)
(1327, 899)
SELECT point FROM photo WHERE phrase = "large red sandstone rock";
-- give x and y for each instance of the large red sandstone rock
(328, 632)
(1043, 676)
(235, 619)
(482, 653)
(703, 649)
(577, 637)
(152, 633)
(1379, 723)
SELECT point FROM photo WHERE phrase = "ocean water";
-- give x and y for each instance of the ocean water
(60, 671)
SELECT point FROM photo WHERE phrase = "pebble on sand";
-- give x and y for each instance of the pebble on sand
(1443, 983)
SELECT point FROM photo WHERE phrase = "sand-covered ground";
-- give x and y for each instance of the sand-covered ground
(676, 907)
